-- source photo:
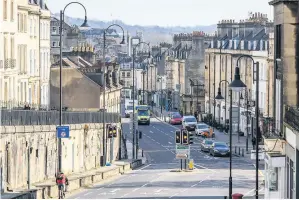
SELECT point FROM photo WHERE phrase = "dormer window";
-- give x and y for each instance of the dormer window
(212, 44)
(223, 42)
(235, 44)
(266, 45)
(242, 44)
(254, 45)
(218, 44)
(249, 45)
(230, 44)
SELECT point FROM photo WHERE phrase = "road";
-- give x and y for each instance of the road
(157, 179)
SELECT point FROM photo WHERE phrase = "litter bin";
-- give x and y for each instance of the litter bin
(237, 196)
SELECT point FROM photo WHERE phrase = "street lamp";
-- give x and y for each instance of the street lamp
(219, 97)
(237, 85)
(104, 138)
(143, 73)
(133, 121)
(83, 26)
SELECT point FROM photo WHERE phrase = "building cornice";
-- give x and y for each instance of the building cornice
(25, 8)
(34, 12)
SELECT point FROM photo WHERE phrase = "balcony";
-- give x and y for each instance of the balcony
(9, 63)
(292, 117)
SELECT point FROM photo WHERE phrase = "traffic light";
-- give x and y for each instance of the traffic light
(110, 131)
(185, 136)
(178, 137)
(190, 137)
(114, 131)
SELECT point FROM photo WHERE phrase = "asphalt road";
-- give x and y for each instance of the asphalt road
(157, 179)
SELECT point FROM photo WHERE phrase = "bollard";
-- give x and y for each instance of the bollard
(239, 150)
(242, 152)
(235, 150)
(142, 153)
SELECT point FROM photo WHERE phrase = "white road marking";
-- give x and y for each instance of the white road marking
(101, 188)
(87, 193)
(205, 168)
(151, 132)
(169, 143)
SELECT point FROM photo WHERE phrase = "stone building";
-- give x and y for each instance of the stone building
(233, 39)
(83, 86)
(282, 146)
(25, 57)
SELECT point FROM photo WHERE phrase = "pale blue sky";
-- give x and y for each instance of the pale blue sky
(164, 12)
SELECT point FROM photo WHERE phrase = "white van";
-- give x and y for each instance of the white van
(189, 123)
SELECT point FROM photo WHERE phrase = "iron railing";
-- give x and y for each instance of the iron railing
(18, 105)
(291, 116)
(33, 117)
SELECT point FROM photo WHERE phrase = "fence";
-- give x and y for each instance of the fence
(33, 117)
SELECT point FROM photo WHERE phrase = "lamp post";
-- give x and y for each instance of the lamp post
(219, 97)
(84, 25)
(133, 115)
(237, 85)
(143, 73)
(104, 138)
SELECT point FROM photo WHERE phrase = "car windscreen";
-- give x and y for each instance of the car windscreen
(202, 126)
(129, 107)
(190, 119)
(176, 116)
(220, 145)
(208, 142)
(143, 113)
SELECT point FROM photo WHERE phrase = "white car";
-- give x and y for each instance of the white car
(189, 123)
(201, 128)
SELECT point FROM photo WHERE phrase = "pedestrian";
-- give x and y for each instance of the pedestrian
(253, 142)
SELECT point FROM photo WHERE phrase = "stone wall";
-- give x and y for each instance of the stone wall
(81, 152)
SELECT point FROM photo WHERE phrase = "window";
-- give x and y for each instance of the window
(12, 13)
(254, 45)
(249, 45)
(128, 74)
(291, 179)
(230, 44)
(12, 47)
(19, 22)
(25, 23)
(242, 44)
(5, 48)
(261, 45)
(54, 30)
(123, 74)
(30, 27)
(278, 41)
(34, 63)
(31, 63)
(5, 10)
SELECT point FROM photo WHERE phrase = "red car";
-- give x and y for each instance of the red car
(176, 119)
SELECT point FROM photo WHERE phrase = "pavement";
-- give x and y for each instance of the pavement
(158, 179)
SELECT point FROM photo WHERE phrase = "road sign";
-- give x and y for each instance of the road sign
(63, 131)
(182, 151)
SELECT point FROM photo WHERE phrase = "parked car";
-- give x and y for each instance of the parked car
(206, 145)
(176, 119)
(200, 128)
(219, 149)
(189, 123)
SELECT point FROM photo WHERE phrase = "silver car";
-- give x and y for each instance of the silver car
(201, 128)
(206, 145)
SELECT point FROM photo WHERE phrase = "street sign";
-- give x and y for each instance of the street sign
(182, 151)
(63, 131)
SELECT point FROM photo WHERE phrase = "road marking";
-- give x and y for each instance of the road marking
(205, 168)
(101, 188)
(87, 193)
(191, 186)
(151, 132)
(169, 143)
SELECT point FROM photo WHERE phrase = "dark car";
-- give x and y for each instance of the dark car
(206, 145)
(176, 119)
(219, 149)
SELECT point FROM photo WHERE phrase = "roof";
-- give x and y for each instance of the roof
(40, 3)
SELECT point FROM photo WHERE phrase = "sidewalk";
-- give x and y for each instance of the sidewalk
(48, 188)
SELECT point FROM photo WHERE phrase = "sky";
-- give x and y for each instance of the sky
(163, 12)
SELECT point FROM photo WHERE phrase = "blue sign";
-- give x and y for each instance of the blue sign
(63, 131)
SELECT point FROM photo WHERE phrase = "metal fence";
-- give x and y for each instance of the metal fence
(292, 116)
(33, 117)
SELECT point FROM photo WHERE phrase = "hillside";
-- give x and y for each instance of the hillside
(152, 34)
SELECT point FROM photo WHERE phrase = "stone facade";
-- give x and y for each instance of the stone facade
(81, 152)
